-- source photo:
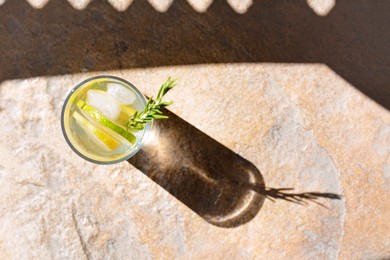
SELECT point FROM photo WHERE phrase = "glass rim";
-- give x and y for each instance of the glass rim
(137, 146)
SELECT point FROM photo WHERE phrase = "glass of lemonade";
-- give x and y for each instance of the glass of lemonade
(94, 118)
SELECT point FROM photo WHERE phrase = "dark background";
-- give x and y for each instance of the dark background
(353, 39)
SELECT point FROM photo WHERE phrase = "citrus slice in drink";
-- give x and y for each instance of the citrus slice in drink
(125, 114)
(95, 114)
(99, 136)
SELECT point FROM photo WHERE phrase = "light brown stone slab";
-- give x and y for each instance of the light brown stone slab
(302, 126)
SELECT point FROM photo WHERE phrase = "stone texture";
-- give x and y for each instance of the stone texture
(302, 126)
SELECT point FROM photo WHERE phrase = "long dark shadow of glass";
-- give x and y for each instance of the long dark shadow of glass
(219, 185)
(203, 174)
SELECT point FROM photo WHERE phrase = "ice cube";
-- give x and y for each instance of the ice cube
(121, 94)
(104, 103)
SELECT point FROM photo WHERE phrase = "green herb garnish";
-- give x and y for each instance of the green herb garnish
(152, 109)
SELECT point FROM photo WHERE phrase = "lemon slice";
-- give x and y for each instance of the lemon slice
(125, 114)
(100, 136)
(105, 121)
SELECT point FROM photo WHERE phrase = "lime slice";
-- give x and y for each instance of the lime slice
(99, 135)
(106, 122)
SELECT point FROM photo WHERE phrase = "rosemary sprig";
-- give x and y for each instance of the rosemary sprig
(152, 109)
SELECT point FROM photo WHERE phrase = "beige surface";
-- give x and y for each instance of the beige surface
(302, 126)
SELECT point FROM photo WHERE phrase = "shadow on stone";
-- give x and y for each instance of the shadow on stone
(213, 181)
(353, 39)
(203, 174)
(287, 194)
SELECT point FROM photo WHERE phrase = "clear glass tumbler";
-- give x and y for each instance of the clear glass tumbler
(94, 118)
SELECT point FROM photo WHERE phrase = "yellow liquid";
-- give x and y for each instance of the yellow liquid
(89, 138)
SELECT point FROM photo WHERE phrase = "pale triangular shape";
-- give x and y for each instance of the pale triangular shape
(200, 6)
(321, 7)
(38, 4)
(240, 6)
(79, 4)
(161, 5)
(120, 5)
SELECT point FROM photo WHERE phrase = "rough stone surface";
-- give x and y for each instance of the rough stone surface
(302, 126)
